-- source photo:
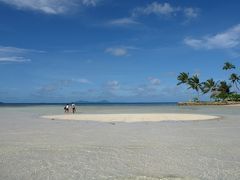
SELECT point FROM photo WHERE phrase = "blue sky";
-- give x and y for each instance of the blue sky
(124, 51)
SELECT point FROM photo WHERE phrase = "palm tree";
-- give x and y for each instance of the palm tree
(223, 87)
(195, 84)
(235, 79)
(221, 90)
(209, 86)
(183, 78)
(228, 66)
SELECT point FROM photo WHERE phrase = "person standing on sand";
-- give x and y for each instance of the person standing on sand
(73, 108)
(66, 108)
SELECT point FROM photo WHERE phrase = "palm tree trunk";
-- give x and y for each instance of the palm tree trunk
(198, 95)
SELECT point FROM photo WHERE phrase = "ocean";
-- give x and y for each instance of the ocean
(116, 108)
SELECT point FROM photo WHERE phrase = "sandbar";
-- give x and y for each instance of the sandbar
(146, 117)
(233, 105)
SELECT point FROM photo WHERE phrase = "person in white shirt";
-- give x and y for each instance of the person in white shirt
(73, 108)
(66, 108)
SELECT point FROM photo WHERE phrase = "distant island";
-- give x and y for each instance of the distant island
(221, 92)
(120, 102)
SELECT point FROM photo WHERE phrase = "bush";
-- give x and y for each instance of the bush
(195, 99)
(221, 97)
(234, 97)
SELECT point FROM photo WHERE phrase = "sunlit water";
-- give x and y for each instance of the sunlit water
(36, 148)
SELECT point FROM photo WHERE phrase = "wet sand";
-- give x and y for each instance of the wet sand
(146, 117)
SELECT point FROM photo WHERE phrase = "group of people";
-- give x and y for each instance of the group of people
(67, 108)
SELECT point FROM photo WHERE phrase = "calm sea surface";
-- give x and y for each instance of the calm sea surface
(50, 109)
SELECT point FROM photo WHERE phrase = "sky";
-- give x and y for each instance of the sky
(120, 51)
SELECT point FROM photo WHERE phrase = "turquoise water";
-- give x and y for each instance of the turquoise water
(39, 110)
(36, 148)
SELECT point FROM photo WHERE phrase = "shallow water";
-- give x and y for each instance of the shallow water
(36, 148)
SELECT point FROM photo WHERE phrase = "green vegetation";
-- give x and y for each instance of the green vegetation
(217, 90)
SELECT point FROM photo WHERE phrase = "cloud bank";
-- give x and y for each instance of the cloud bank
(14, 54)
(14, 59)
(165, 9)
(49, 6)
(223, 40)
(157, 9)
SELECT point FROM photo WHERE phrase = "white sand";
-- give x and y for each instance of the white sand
(36, 148)
(233, 105)
(132, 117)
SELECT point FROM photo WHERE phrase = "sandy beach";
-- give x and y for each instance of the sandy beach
(32, 147)
(233, 105)
(147, 117)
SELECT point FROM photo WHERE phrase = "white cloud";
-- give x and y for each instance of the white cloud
(14, 59)
(123, 22)
(195, 43)
(14, 54)
(154, 8)
(113, 85)
(119, 51)
(165, 9)
(49, 6)
(224, 40)
(9, 49)
(191, 12)
(82, 80)
(154, 81)
(90, 2)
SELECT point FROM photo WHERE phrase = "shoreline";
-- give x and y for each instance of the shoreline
(146, 117)
(229, 103)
